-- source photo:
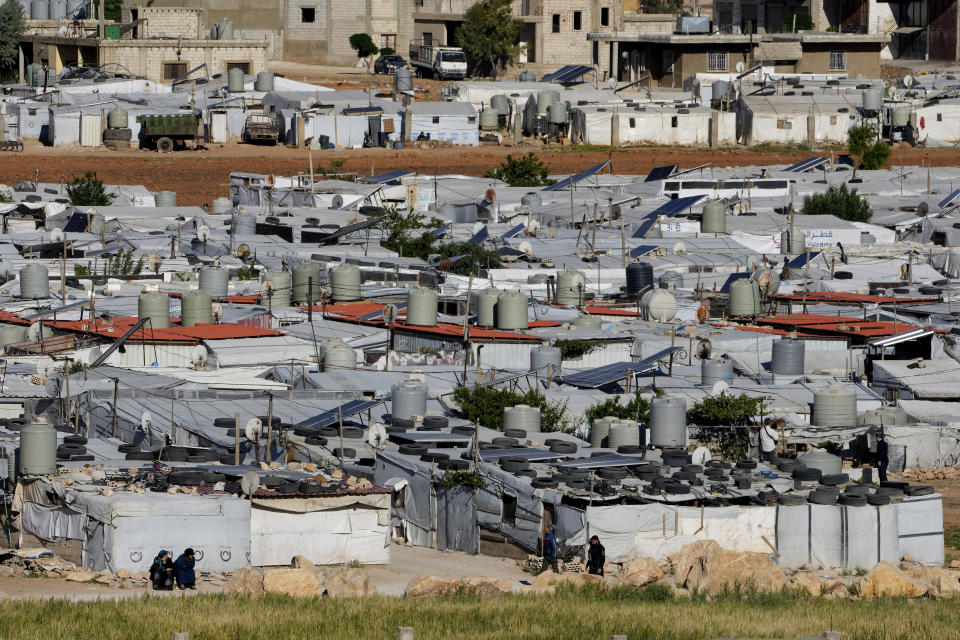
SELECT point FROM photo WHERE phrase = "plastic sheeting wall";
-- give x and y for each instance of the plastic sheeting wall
(526, 524)
(920, 526)
(939, 122)
(837, 536)
(456, 129)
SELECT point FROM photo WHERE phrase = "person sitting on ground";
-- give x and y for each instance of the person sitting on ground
(161, 572)
(186, 576)
(596, 557)
(550, 551)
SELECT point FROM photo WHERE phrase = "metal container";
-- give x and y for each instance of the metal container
(57, 9)
(558, 113)
(34, 282)
(345, 281)
(639, 277)
(196, 307)
(545, 99)
(264, 81)
(668, 422)
(156, 306)
(489, 119)
(720, 89)
(303, 273)
(37, 455)
(714, 217)
(744, 298)
(165, 198)
(422, 307)
(532, 201)
(571, 286)
(244, 224)
(660, 307)
(589, 322)
(235, 80)
(221, 206)
(788, 357)
(214, 281)
(512, 310)
(827, 463)
(792, 246)
(408, 399)
(713, 371)
(118, 118)
(545, 358)
(12, 334)
(623, 433)
(901, 116)
(523, 417)
(403, 80)
(834, 406)
(338, 356)
(600, 431)
(670, 280)
(280, 289)
(487, 307)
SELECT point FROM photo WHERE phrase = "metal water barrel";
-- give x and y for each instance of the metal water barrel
(487, 307)
(338, 356)
(34, 282)
(213, 281)
(345, 281)
(660, 307)
(156, 306)
(408, 399)
(523, 417)
(714, 217)
(834, 406)
(558, 113)
(827, 463)
(588, 321)
(12, 334)
(403, 80)
(623, 433)
(165, 198)
(37, 455)
(639, 277)
(196, 307)
(489, 119)
(571, 286)
(670, 280)
(543, 356)
(512, 310)
(57, 9)
(744, 298)
(668, 422)
(235, 80)
(600, 431)
(244, 224)
(501, 103)
(713, 371)
(281, 287)
(792, 246)
(118, 118)
(545, 99)
(422, 307)
(264, 81)
(788, 357)
(220, 206)
(532, 200)
(302, 273)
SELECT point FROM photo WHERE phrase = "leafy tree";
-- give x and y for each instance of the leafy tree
(362, 43)
(485, 405)
(387, 51)
(804, 22)
(112, 9)
(122, 264)
(638, 408)
(838, 201)
(726, 410)
(489, 33)
(476, 257)
(88, 191)
(663, 6)
(862, 143)
(12, 26)
(524, 171)
(408, 234)
(574, 347)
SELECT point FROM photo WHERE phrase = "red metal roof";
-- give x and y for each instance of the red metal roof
(843, 296)
(836, 326)
(119, 326)
(12, 318)
(447, 329)
(610, 311)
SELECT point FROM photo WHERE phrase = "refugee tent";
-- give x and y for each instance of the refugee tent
(455, 122)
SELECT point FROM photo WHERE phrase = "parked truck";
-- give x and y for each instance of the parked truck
(261, 128)
(167, 132)
(444, 63)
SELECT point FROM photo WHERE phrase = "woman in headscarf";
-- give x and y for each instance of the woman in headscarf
(183, 568)
(161, 572)
(596, 557)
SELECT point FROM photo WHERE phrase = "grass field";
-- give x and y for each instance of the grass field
(588, 614)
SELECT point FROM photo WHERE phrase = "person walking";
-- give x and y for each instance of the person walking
(183, 569)
(883, 457)
(768, 442)
(596, 557)
(161, 572)
(549, 551)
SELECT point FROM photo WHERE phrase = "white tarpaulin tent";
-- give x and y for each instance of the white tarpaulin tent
(837, 536)
(650, 124)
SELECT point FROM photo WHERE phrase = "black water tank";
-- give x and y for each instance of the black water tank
(639, 277)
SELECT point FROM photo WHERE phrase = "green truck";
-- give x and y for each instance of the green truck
(168, 132)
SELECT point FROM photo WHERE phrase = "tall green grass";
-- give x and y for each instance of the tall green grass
(569, 615)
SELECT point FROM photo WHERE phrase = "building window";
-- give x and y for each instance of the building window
(308, 15)
(633, 123)
(838, 61)
(509, 509)
(717, 62)
(174, 70)
(428, 39)
(577, 20)
(388, 41)
(604, 16)
(243, 66)
(668, 61)
(556, 23)
(436, 119)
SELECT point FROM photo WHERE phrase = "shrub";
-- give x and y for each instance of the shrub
(524, 171)
(862, 143)
(485, 405)
(475, 257)
(638, 408)
(88, 191)
(804, 22)
(838, 201)
(726, 410)
(575, 348)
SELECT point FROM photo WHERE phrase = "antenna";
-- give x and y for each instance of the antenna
(376, 434)
(680, 247)
(337, 202)
(704, 349)
(154, 261)
(526, 247)
(389, 313)
(198, 356)
(243, 252)
(252, 429)
(203, 233)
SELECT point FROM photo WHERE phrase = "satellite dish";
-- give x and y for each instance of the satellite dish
(154, 262)
(740, 67)
(243, 252)
(252, 429)
(680, 247)
(701, 455)
(337, 201)
(376, 434)
(57, 235)
(477, 227)
(35, 332)
(62, 31)
(389, 313)
(146, 421)
(217, 312)
(267, 285)
(198, 356)
(526, 247)
(250, 482)
(203, 233)
(704, 349)
(908, 81)
(719, 388)
(765, 282)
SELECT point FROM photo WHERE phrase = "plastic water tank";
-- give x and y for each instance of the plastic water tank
(489, 119)
(221, 206)
(545, 99)
(668, 422)
(827, 463)
(527, 76)
(223, 30)
(623, 433)
(872, 99)
(501, 103)
(280, 289)
(487, 307)
(660, 307)
(532, 200)
(264, 81)
(589, 322)
(156, 306)
(720, 89)
(338, 356)
(792, 246)
(714, 217)
(57, 9)
(543, 356)
(901, 116)
(570, 288)
(558, 113)
(235, 80)
(196, 307)
(118, 118)
(788, 357)
(244, 224)
(403, 80)
(422, 307)
(744, 298)
(213, 281)
(38, 450)
(512, 310)
(639, 277)
(834, 406)
(12, 334)
(523, 417)
(302, 275)
(165, 198)
(713, 371)
(345, 281)
(34, 282)
(600, 431)
(670, 280)
(408, 399)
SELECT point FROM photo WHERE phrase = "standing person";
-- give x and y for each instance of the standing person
(161, 572)
(596, 557)
(883, 457)
(183, 568)
(549, 551)
(768, 442)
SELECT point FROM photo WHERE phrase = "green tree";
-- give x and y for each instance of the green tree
(113, 10)
(485, 405)
(838, 201)
(387, 51)
(862, 143)
(12, 26)
(524, 171)
(726, 410)
(362, 43)
(663, 6)
(88, 191)
(804, 22)
(638, 408)
(489, 34)
(409, 234)
(476, 257)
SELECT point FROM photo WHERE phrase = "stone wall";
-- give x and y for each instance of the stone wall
(172, 22)
(147, 58)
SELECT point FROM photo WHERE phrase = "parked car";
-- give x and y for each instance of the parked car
(389, 64)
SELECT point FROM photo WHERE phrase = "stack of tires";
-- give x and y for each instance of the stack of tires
(117, 135)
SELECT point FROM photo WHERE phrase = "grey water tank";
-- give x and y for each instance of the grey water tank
(660, 306)
(545, 99)
(220, 206)
(34, 282)
(12, 334)
(487, 307)
(901, 116)
(464, 212)
(155, 306)
(532, 200)
(338, 356)
(501, 103)
(196, 307)
(303, 273)
(223, 30)
(827, 463)
(403, 80)
(118, 118)
(244, 224)
(408, 399)
(623, 433)
(788, 357)
(422, 307)
(57, 9)
(165, 198)
(522, 417)
(639, 277)
(744, 298)
(792, 246)
(345, 281)
(214, 281)
(872, 99)
(264, 81)
(600, 431)
(527, 76)
(713, 371)
(512, 310)
(280, 289)
(543, 356)
(720, 89)
(714, 218)
(834, 406)
(571, 287)
(235, 80)
(38, 450)
(668, 422)
(588, 321)
(670, 280)
(558, 113)
(489, 119)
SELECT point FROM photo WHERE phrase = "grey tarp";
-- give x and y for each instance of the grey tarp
(525, 525)
(457, 520)
(52, 523)
(837, 536)
(413, 506)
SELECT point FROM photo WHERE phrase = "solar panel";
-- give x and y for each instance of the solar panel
(673, 207)
(439, 233)
(566, 182)
(76, 223)
(660, 173)
(386, 177)
(645, 226)
(807, 165)
(480, 236)
(344, 411)
(567, 74)
(510, 251)
(950, 199)
(512, 232)
(600, 462)
(801, 260)
(347, 230)
(642, 250)
(733, 277)
(607, 374)
(494, 455)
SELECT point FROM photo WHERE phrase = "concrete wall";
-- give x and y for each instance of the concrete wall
(862, 59)
(172, 22)
(146, 58)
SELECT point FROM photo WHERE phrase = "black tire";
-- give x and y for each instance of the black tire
(227, 459)
(352, 433)
(310, 487)
(677, 489)
(848, 500)
(318, 441)
(413, 449)
(507, 443)
(544, 483)
(683, 475)
(197, 458)
(857, 490)
(441, 422)
(266, 419)
(692, 468)
(896, 484)
(395, 429)
(121, 135)
(365, 462)
(805, 474)
(288, 486)
(878, 500)
(431, 429)
(890, 491)
(185, 478)
(578, 484)
(833, 479)
(489, 446)
(563, 447)
(232, 487)
(651, 489)
(526, 473)
(929, 291)
(715, 474)
(128, 448)
(843, 275)
(434, 457)
(719, 464)
(453, 465)
(747, 464)
(463, 430)
(512, 466)
(81, 458)
(818, 497)
(213, 477)
(791, 500)
(74, 440)
(272, 482)
(328, 432)
(613, 473)
(224, 423)
(825, 489)
(919, 490)
(164, 145)
(402, 422)
(138, 455)
(231, 432)
(519, 434)
(788, 466)
(346, 452)
(630, 449)
(550, 441)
